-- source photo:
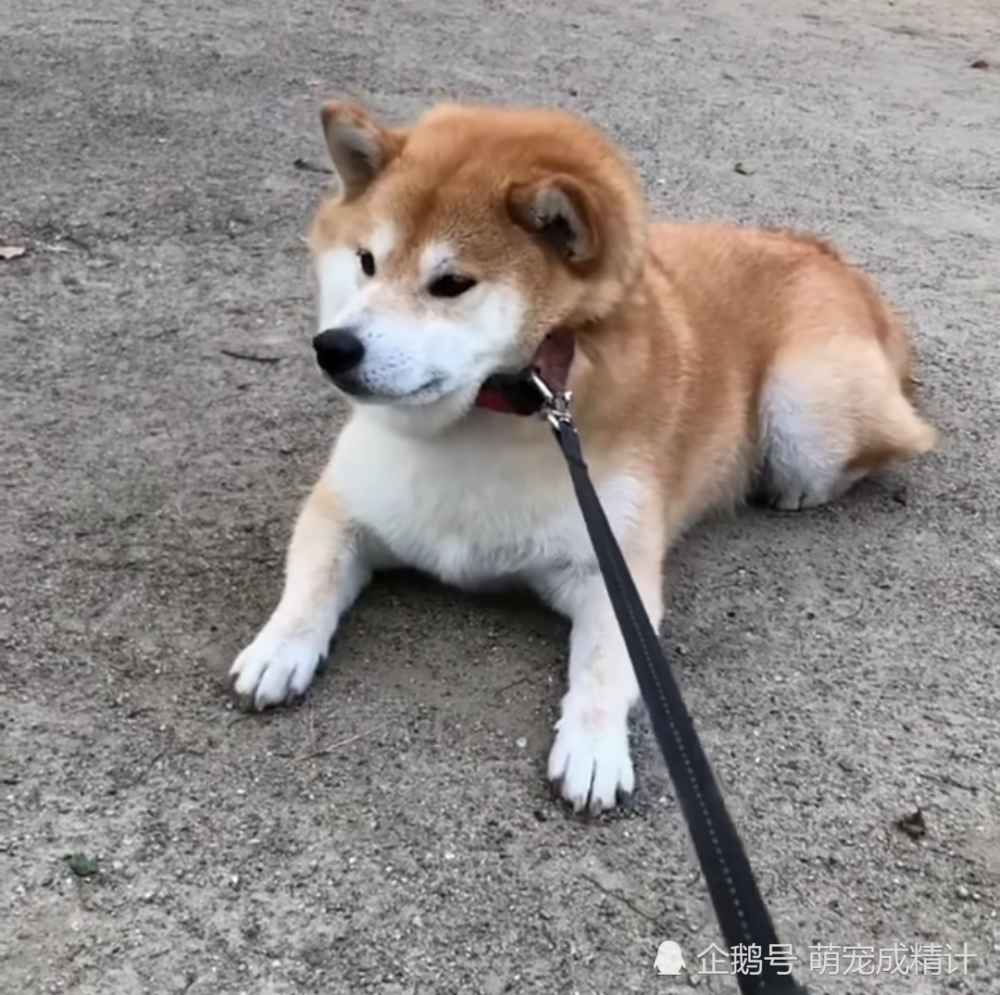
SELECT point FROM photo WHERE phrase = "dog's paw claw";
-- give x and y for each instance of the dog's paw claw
(590, 761)
(626, 800)
(275, 669)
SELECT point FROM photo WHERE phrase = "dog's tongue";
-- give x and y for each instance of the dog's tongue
(552, 361)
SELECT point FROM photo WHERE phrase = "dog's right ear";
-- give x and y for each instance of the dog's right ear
(359, 148)
(563, 214)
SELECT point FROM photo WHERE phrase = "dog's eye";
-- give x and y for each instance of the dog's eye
(450, 285)
(367, 261)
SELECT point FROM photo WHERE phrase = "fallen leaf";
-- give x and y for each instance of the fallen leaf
(979, 64)
(913, 825)
(82, 865)
(11, 251)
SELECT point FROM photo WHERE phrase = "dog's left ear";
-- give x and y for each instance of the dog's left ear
(359, 148)
(563, 214)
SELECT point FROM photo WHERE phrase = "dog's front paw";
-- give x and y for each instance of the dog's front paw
(278, 666)
(590, 757)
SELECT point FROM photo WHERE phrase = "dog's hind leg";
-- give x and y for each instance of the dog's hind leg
(829, 415)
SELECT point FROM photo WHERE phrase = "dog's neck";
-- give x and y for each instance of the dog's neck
(568, 351)
(552, 361)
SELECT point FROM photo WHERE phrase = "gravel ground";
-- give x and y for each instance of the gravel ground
(394, 833)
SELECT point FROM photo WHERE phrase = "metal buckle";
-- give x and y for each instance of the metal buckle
(555, 407)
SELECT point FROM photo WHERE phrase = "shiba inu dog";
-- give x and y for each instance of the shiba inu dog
(707, 364)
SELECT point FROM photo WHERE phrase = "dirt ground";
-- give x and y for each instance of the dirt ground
(395, 834)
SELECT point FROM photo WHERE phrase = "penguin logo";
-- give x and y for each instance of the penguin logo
(669, 959)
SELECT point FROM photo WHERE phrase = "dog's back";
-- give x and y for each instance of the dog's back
(786, 367)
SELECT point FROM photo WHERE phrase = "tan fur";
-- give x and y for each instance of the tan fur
(677, 326)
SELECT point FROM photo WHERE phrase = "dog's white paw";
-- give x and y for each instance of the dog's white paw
(590, 757)
(277, 666)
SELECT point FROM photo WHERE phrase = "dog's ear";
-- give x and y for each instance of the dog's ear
(359, 148)
(563, 214)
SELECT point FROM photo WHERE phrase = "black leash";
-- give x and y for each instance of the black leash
(739, 906)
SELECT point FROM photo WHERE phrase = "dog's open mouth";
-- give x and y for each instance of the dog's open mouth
(513, 392)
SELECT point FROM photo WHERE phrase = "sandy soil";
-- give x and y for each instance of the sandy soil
(395, 833)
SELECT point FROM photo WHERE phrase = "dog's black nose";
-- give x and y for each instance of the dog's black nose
(338, 350)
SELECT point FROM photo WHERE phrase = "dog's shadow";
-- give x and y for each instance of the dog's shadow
(500, 655)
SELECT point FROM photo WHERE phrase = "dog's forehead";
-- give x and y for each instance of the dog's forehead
(444, 185)
(432, 213)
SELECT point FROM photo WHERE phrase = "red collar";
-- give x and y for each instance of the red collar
(553, 360)
(492, 400)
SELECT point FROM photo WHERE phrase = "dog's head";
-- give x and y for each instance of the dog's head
(454, 247)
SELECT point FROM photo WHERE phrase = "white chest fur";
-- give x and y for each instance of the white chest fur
(490, 501)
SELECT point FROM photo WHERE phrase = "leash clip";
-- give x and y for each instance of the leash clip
(555, 407)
